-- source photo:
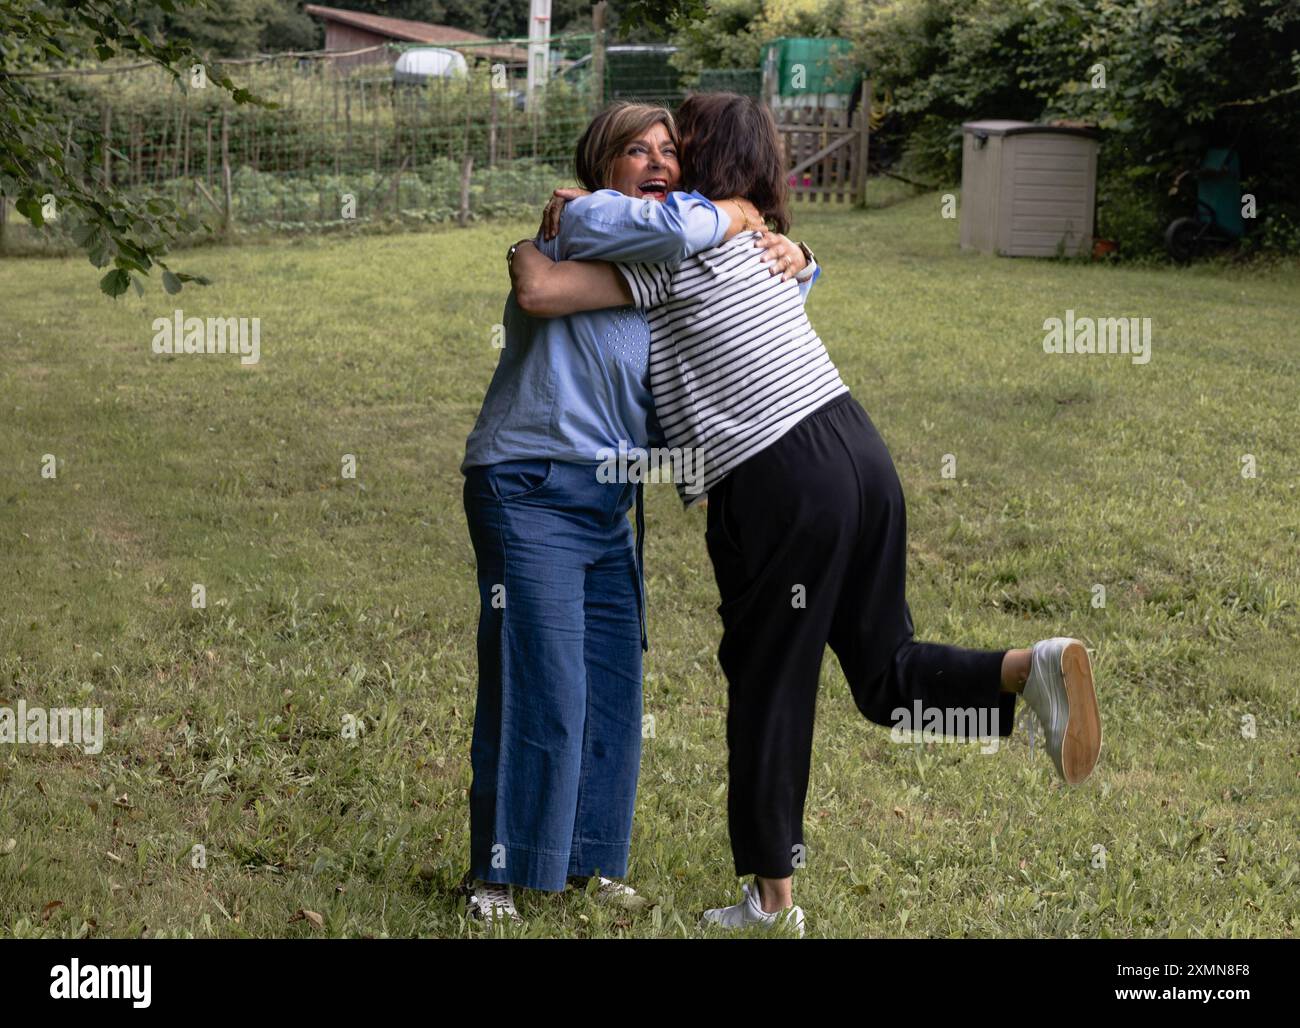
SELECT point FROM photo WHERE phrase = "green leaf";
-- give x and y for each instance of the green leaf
(30, 208)
(115, 283)
(171, 283)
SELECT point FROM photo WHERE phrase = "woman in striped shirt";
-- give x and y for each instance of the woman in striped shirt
(806, 516)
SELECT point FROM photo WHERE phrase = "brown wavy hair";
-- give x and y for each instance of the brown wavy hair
(730, 147)
(609, 132)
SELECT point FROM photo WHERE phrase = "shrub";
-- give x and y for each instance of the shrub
(1163, 79)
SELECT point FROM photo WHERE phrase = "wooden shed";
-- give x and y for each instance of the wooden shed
(1028, 190)
(351, 31)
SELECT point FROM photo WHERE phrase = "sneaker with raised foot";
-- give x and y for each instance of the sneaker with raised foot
(749, 911)
(1060, 693)
(491, 902)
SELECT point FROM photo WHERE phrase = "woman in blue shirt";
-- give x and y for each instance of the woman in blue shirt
(557, 726)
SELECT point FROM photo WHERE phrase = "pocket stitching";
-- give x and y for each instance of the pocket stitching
(546, 480)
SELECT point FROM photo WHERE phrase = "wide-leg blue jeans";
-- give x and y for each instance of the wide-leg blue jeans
(557, 727)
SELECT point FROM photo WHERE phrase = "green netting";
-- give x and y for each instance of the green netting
(805, 65)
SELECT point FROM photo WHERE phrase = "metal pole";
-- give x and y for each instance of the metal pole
(598, 56)
(539, 31)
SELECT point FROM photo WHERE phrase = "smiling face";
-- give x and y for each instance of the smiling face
(647, 165)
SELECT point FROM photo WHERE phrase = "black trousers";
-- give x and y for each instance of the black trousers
(809, 546)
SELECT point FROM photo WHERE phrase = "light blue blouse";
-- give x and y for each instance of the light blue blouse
(567, 388)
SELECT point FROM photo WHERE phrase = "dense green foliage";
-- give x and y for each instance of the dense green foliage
(233, 28)
(731, 33)
(47, 171)
(1163, 79)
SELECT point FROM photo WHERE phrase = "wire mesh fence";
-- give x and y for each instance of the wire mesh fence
(746, 81)
(352, 144)
(338, 148)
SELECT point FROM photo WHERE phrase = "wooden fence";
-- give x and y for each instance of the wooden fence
(827, 150)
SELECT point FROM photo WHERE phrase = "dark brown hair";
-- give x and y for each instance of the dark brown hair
(609, 132)
(730, 147)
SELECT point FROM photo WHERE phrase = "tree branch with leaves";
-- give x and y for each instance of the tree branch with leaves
(41, 163)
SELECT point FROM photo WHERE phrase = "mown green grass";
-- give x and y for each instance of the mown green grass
(329, 597)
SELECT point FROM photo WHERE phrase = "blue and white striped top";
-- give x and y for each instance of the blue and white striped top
(734, 360)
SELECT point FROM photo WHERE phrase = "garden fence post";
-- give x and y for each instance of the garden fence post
(466, 170)
(228, 214)
(864, 141)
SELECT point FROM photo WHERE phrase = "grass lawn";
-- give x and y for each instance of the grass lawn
(329, 596)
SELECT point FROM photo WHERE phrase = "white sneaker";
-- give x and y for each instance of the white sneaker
(1059, 692)
(750, 912)
(608, 891)
(492, 901)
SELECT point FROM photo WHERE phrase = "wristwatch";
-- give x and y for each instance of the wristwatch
(510, 254)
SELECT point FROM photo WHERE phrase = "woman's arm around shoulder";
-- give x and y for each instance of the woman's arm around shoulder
(549, 289)
(608, 225)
